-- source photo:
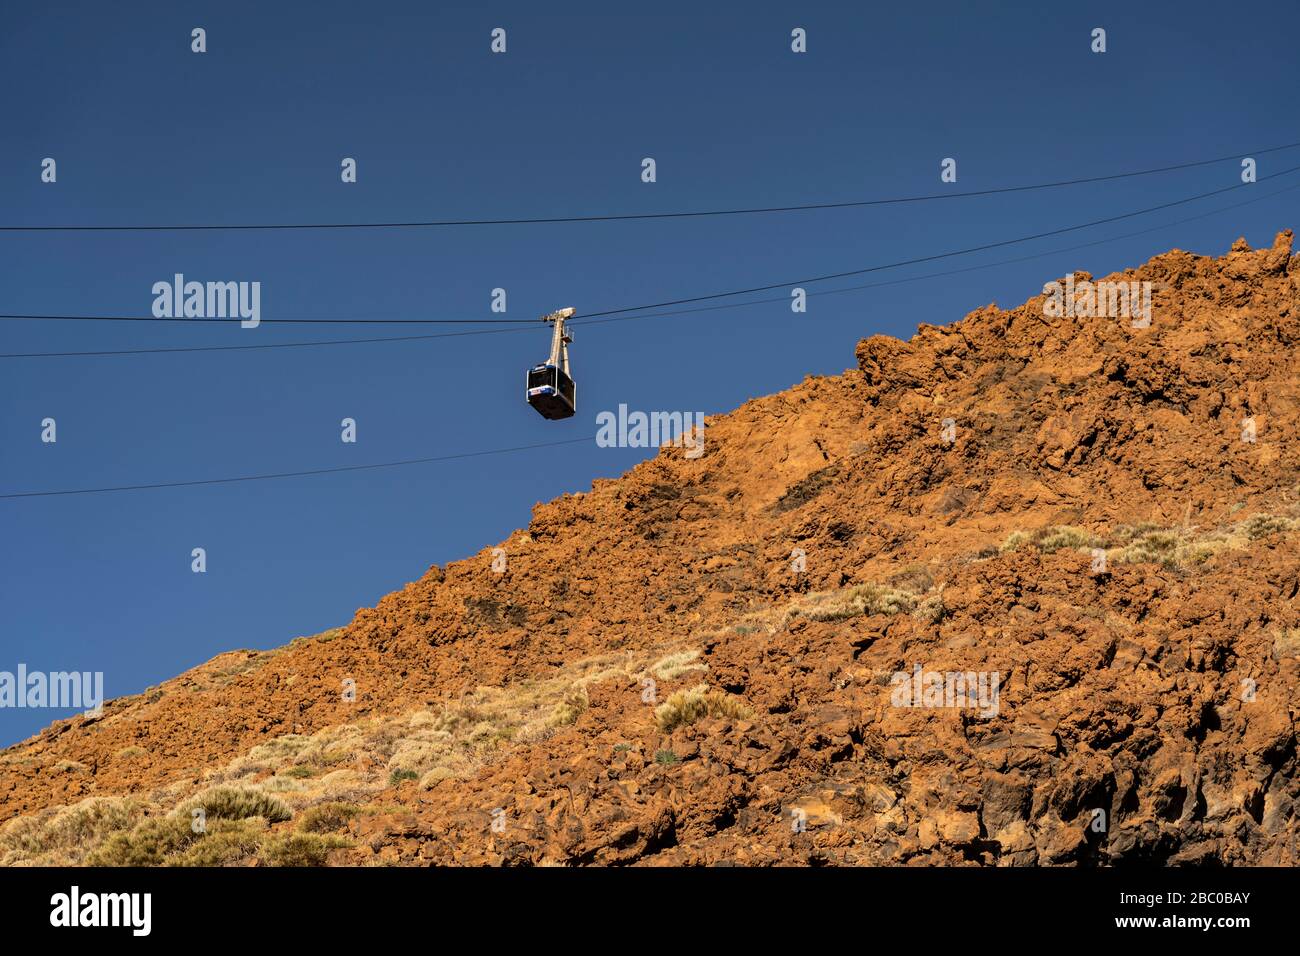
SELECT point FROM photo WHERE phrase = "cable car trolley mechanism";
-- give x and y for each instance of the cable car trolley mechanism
(549, 387)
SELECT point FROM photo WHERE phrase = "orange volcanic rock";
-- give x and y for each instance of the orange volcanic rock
(1079, 537)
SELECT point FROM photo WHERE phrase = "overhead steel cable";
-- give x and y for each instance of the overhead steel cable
(933, 258)
(270, 345)
(648, 315)
(292, 474)
(699, 298)
(629, 217)
(572, 441)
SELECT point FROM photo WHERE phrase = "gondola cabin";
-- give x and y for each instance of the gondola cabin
(551, 392)
(550, 388)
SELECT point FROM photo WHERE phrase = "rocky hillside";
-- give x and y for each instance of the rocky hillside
(1056, 529)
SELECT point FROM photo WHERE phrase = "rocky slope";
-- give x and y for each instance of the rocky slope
(1067, 502)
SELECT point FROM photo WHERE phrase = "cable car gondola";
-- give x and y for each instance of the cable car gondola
(549, 387)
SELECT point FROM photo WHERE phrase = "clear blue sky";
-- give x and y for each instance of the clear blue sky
(144, 131)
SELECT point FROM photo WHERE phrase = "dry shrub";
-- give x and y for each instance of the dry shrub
(327, 817)
(1050, 539)
(299, 849)
(226, 843)
(685, 707)
(1148, 543)
(149, 843)
(234, 803)
(63, 836)
(862, 599)
(1262, 525)
(675, 665)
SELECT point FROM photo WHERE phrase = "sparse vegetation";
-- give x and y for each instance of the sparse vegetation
(251, 661)
(1262, 525)
(226, 842)
(675, 665)
(1149, 543)
(327, 817)
(435, 775)
(456, 740)
(326, 773)
(331, 775)
(171, 841)
(853, 602)
(299, 849)
(932, 609)
(1155, 547)
(570, 709)
(231, 803)
(61, 837)
(1050, 539)
(914, 578)
(685, 707)
(350, 761)
(237, 827)
(150, 843)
